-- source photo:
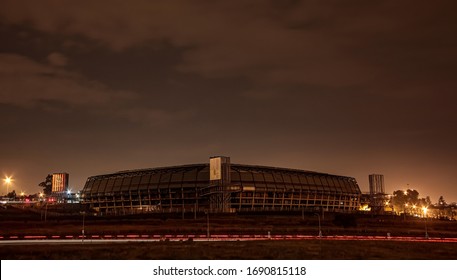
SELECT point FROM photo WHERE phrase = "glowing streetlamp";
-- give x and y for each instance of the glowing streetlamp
(405, 211)
(69, 195)
(8, 181)
(424, 209)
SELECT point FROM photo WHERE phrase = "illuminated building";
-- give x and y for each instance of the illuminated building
(59, 182)
(220, 187)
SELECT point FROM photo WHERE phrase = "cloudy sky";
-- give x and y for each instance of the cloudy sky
(347, 87)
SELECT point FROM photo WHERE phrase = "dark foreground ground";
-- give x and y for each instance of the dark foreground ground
(15, 221)
(309, 249)
(48, 222)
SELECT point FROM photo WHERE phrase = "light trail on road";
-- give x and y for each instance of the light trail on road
(123, 238)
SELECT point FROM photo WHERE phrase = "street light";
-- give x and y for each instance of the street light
(46, 212)
(82, 231)
(319, 219)
(424, 209)
(207, 223)
(405, 211)
(7, 181)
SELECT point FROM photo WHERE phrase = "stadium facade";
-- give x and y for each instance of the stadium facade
(220, 187)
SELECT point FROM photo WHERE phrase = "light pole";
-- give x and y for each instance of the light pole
(207, 224)
(404, 212)
(195, 211)
(45, 212)
(82, 231)
(319, 219)
(425, 216)
(69, 198)
(8, 181)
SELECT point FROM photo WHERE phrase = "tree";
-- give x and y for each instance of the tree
(441, 201)
(46, 185)
(425, 202)
(12, 194)
(413, 196)
(403, 199)
(399, 200)
(444, 211)
(428, 201)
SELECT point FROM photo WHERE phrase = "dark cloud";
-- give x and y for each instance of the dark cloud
(347, 87)
(57, 59)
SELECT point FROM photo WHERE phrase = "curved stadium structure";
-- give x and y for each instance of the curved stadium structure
(219, 187)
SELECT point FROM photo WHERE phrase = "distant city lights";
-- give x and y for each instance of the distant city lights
(425, 209)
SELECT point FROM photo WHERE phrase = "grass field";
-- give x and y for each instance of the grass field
(309, 249)
(226, 224)
(21, 222)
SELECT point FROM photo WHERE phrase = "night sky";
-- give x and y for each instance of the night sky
(342, 87)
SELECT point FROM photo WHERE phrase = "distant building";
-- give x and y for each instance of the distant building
(59, 188)
(220, 186)
(377, 193)
(376, 184)
(60, 182)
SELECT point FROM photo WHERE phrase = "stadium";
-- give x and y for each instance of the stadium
(219, 187)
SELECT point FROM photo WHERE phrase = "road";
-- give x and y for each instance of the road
(97, 239)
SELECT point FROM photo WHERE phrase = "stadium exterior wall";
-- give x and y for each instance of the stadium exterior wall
(188, 188)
